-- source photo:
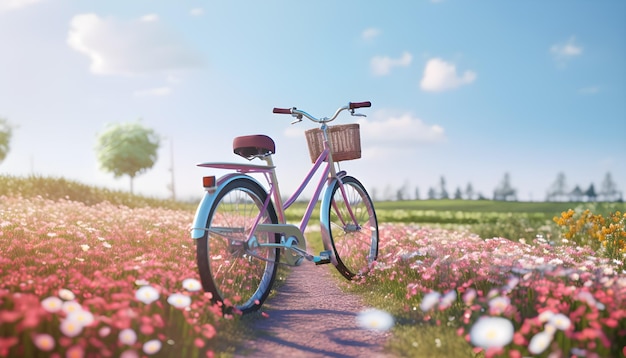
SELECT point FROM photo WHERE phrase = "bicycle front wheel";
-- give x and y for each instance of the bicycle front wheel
(233, 266)
(352, 227)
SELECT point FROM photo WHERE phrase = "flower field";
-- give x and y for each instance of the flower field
(100, 281)
(504, 298)
(108, 280)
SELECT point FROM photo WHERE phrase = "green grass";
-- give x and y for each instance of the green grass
(63, 189)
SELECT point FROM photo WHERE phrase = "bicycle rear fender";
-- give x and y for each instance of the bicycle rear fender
(198, 228)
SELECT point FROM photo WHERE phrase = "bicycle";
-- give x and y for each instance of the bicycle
(240, 227)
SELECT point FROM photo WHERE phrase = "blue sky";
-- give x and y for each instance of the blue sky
(464, 90)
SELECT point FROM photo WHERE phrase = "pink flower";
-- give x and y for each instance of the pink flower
(208, 330)
(44, 341)
(469, 296)
(6, 344)
(75, 352)
(104, 331)
(129, 354)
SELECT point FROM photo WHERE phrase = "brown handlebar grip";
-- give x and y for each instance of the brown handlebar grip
(354, 105)
(282, 110)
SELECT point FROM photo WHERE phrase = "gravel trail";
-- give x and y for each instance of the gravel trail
(311, 316)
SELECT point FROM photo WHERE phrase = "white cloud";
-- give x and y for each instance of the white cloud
(382, 65)
(150, 18)
(129, 47)
(566, 50)
(399, 130)
(197, 11)
(158, 91)
(589, 90)
(386, 134)
(390, 129)
(441, 76)
(370, 33)
(7, 5)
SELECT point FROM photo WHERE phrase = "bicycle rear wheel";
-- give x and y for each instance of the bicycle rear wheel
(354, 241)
(233, 267)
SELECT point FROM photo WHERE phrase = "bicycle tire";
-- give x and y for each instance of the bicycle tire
(238, 274)
(355, 244)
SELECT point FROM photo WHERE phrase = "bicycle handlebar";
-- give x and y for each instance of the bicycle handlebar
(299, 114)
(354, 105)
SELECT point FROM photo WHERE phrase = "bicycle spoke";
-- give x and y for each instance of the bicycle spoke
(234, 272)
(353, 228)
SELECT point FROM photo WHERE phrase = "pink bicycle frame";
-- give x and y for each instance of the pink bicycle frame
(329, 175)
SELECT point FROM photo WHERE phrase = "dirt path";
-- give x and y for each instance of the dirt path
(311, 317)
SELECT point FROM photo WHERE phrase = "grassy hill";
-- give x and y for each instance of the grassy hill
(63, 189)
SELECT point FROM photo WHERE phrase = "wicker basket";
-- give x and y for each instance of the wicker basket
(345, 141)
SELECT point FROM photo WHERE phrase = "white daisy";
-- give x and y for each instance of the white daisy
(499, 304)
(71, 328)
(71, 306)
(375, 319)
(127, 336)
(52, 304)
(430, 300)
(81, 317)
(191, 284)
(490, 332)
(147, 294)
(66, 294)
(539, 342)
(152, 346)
(560, 321)
(179, 300)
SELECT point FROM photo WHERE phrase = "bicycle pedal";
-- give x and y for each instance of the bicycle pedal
(323, 258)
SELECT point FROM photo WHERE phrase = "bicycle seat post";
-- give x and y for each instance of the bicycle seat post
(273, 182)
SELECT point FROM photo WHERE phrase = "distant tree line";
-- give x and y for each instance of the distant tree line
(558, 191)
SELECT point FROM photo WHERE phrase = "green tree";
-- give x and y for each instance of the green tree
(127, 149)
(505, 191)
(608, 190)
(591, 193)
(444, 192)
(458, 194)
(469, 191)
(558, 191)
(6, 131)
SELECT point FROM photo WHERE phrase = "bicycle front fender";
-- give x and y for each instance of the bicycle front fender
(198, 227)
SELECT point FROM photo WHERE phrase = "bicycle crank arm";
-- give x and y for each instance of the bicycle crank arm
(293, 241)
